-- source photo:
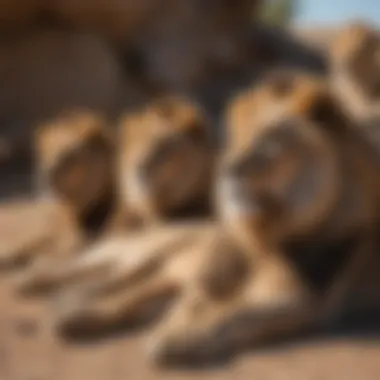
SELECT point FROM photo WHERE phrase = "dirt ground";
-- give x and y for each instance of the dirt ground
(28, 351)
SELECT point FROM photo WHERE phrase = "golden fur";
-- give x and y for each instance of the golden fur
(75, 159)
(355, 67)
(355, 64)
(298, 199)
(165, 160)
(75, 186)
(163, 169)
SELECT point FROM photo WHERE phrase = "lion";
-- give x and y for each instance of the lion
(298, 195)
(354, 72)
(161, 170)
(174, 123)
(298, 205)
(165, 161)
(75, 189)
(355, 63)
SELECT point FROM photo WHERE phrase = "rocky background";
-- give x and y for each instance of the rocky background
(110, 55)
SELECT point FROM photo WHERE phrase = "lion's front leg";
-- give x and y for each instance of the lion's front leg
(110, 263)
(156, 266)
(49, 275)
(146, 253)
(201, 328)
(79, 315)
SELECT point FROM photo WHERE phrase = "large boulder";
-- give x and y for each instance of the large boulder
(49, 71)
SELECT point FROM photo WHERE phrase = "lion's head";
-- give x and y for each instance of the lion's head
(279, 174)
(165, 158)
(75, 155)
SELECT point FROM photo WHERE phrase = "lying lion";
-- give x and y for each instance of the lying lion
(295, 245)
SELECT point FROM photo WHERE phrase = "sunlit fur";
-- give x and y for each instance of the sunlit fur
(75, 160)
(298, 200)
(75, 188)
(355, 74)
(165, 160)
(279, 172)
(299, 204)
(355, 67)
(164, 165)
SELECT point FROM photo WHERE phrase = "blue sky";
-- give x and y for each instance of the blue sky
(315, 12)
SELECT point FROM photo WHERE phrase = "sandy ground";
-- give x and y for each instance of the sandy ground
(28, 350)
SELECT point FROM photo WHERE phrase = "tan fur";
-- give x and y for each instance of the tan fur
(75, 187)
(355, 64)
(299, 190)
(164, 166)
(126, 279)
(165, 160)
(299, 181)
(278, 89)
(355, 67)
(65, 139)
(298, 198)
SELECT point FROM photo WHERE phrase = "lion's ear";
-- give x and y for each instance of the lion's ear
(198, 130)
(323, 108)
